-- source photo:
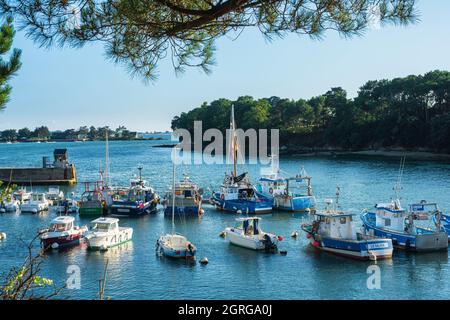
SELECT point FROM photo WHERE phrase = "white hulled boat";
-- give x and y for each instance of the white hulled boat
(248, 234)
(106, 233)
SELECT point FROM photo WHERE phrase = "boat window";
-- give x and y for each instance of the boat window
(188, 193)
(387, 222)
(101, 227)
(58, 227)
(343, 220)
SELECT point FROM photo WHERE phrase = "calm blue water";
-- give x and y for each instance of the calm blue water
(135, 272)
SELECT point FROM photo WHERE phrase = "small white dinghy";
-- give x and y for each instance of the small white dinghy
(175, 245)
(106, 233)
(248, 234)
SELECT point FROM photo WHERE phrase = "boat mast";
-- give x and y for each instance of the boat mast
(234, 142)
(106, 158)
(397, 186)
(173, 195)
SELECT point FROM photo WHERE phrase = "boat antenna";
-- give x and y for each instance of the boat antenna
(140, 173)
(397, 187)
(338, 193)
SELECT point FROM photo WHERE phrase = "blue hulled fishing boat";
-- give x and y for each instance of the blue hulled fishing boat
(416, 229)
(188, 199)
(334, 231)
(137, 200)
(237, 194)
(273, 185)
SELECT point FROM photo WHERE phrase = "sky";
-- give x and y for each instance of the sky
(66, 88)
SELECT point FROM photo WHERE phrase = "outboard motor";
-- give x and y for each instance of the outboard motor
(269, 246)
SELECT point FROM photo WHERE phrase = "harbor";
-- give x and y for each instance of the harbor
(137, 272)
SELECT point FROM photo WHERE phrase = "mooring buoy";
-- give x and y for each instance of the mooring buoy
(204, 260)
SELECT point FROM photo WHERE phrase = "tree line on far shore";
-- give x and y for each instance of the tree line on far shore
(412, 113)
(83, 133)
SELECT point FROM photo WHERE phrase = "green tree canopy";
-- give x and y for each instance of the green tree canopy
(10, 66)
(410, 112)
(139, 33)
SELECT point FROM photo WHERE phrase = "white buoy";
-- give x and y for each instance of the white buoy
(2, 236)
(239, 211)
(2, 210)
(103, 248)
(55, 245)
(223, 234)
(204, 260)
(307, 210)
(294, 234)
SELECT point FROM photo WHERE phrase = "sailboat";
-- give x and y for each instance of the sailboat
(237, 194)
(175, 245)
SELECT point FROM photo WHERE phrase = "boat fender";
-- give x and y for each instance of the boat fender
(223, 234)
(204, 260)
(294, 234)
(316, 243)
(201, 211)
(222, 196)
(55, 245)
(308, 235)
(2, 236)
(280, 238)
(239, 211)
(103, 247)
(271, 190)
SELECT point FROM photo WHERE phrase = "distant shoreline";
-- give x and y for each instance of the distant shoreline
(414, 155)
(77, 140)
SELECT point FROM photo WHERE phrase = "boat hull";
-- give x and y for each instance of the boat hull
(293, 203)
(425, 242)
(186, 211)
(64, 241)
(244, 206)
(132, 210)
(101, 242)
(90, 211)
(249, 242)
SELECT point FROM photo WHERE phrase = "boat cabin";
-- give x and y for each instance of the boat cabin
(390, 216)
(338, 225)
(62, 223)
(38, 197)
(250, 225)
(423, 210)
(61, 158)
(105, 224)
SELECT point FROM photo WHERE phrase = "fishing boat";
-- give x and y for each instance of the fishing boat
(62, 233)
(137, 200)
(106, 233)
(248, 234)
(334, 231)
(36, 204)
(273, 185)
(188, 199)
(175, 245)
(417, 229)
(237, 194)
(92, 202)
(54, 195)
